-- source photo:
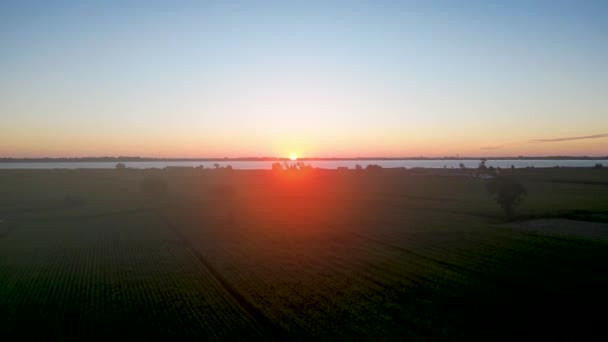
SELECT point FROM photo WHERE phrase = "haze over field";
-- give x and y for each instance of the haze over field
(311, 78)
(304, 170)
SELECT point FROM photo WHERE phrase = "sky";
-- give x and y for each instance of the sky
(312, 78)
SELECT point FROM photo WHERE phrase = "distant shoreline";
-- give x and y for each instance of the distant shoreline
(268, 159)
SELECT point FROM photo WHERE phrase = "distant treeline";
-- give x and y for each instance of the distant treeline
(144, 159)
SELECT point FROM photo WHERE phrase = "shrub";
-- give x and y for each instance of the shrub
(303, 167)
(358, 169)
(298, 166)
(120, 166)
(508, 193)
(373, 168)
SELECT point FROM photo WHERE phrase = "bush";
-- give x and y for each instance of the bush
(298, 166)
(120, 166)
(373, 168)
(303, 167)
(508, 193)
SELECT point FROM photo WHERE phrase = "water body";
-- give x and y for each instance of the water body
(325, 164)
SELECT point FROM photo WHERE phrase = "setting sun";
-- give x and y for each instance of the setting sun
(299, 170)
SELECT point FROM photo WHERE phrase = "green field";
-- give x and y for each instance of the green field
(229, 255)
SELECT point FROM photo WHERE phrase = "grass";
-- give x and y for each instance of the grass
(408, 254)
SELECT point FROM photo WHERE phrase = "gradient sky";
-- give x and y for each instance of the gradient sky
(327, 78)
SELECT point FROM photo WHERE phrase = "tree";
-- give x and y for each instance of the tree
(462, 166)
(373, 168)
(482, 164)
(303, 167)
(216, 165)
(277, 167)
(508, 193)
(120, 166)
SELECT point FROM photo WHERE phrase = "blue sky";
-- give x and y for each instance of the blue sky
(327, 78)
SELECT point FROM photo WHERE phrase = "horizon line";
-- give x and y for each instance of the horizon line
(209, 159)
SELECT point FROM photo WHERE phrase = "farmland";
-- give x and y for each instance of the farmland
(318, 254)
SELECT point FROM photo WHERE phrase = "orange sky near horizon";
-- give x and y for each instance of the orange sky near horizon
(199, 147)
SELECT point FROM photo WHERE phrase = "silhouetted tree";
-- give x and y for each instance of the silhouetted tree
(598, 166)
(482, 164)
(373, 168)
(508, 193)
(120, 166)
(462, 166)
(303, 167)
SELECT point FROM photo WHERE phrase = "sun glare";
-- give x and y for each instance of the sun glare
(293, 157)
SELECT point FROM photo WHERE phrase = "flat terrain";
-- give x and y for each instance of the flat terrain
(319, 254)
